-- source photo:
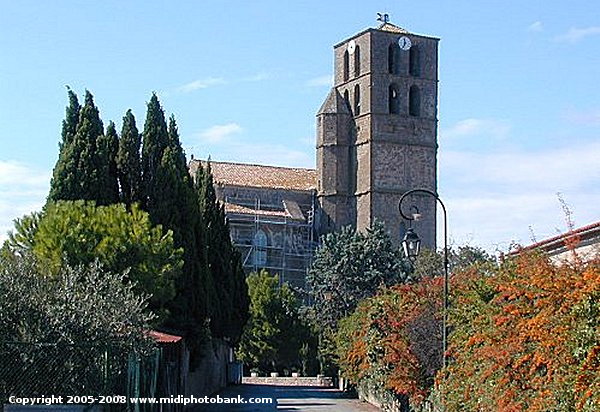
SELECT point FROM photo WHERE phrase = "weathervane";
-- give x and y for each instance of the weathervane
(383, 17)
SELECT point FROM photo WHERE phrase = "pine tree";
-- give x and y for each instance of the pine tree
(128, 161)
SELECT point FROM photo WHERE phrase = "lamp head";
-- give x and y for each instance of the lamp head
(411, 244)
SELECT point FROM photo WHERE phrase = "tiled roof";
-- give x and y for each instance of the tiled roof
(243, 174)
(161, 337)
(233, 208)
(290, 210)
(592, 230)
(392, 28)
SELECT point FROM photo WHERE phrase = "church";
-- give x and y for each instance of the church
(376, 139)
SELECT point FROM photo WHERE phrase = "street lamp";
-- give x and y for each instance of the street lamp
(411, 244)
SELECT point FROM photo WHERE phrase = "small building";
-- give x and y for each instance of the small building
(584, 241)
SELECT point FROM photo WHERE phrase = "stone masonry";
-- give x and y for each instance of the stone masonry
(377, 132)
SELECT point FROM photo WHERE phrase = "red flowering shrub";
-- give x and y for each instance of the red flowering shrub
(394, 339)
(526, 338)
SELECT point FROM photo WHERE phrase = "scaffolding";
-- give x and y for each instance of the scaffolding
(279, 238)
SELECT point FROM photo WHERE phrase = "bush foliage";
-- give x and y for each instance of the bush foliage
(72, 233)
(525, 336)
(78, 305)
(393, 340)
(276, 337)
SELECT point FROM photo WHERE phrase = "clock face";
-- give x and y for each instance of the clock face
(404, 43)
(351, 46)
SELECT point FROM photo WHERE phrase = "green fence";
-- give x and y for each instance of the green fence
(43, 369)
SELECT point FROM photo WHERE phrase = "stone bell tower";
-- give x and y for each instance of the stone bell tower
(377, 132)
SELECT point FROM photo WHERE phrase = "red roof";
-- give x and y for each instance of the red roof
(161, 337)
(558, 240)
(273, 177)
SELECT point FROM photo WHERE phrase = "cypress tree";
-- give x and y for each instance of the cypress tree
(213, 252)
(224, 262)
(69, 124)
(171, 201)
(106, 158)
(155, 140)
(241, 298)
(63, 166)
(129, 167)
(78, 174)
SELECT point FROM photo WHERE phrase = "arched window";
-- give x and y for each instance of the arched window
(356, 100)
(414, 61)
(351, 169)
(347, 99)
(260, 248)
(357, 61)
(393, 99)
(414, 101)
(393, 58)
(346, 65)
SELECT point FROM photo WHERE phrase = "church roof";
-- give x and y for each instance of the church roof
(386, 27)
(252, 175)
(392, 28)
(289, 210)
(334, 103)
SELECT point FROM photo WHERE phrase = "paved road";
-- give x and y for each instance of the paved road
(290, 398)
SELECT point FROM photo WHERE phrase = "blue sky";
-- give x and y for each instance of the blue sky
(519, 93)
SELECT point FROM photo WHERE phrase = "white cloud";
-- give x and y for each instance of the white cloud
(201, 84)
(320, 81)
(13, 172)
(477, 127)
(23, 189)
(220, 132)
(493, 198)
(571, 166)
(575, 34)
(536, 27)
(230, 142)
(218, 81)
(496, 220)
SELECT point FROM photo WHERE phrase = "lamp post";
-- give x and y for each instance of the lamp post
(411, 244)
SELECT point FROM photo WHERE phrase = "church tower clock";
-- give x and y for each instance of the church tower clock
(377, 131)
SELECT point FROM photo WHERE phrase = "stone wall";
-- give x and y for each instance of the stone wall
(322, 381)
(387, 401)
(210, 375)
(393, 146)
